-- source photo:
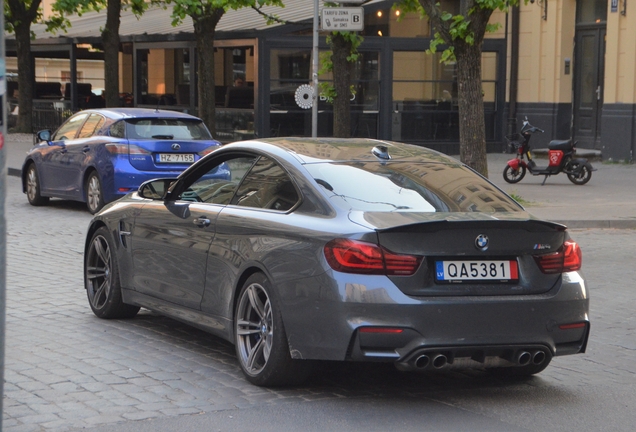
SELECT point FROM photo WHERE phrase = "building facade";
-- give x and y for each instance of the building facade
(568, 65)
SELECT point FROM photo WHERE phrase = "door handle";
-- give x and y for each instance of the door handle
(202, 222)
(598, 93)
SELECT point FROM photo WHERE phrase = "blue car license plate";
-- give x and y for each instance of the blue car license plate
(175, 158)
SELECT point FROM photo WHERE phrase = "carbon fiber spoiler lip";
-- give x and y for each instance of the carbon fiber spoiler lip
(389, 221)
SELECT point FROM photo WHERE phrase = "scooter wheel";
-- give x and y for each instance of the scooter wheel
(582, 177)
(512, 175)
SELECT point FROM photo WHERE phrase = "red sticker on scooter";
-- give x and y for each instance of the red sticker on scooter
(554, 157)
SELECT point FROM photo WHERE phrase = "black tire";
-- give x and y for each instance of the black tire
(260, 339)
(94, 194)
(33, 190)
(583, 176)
(514, 175)
(101, 278)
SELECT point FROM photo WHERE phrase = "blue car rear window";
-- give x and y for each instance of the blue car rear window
(177, 129)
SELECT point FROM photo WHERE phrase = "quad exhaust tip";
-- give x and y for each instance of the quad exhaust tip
(439, 361)
(523, 358)
(538, 357)
(422, 362)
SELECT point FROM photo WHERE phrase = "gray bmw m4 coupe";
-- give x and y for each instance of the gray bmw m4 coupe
(300, 249)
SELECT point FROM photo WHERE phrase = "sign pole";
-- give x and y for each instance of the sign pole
(314, 74)
(3, 189)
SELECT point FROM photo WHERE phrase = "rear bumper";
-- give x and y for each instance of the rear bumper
(327, 323)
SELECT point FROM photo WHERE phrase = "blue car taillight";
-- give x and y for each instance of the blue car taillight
(208, 150)
(125, 149)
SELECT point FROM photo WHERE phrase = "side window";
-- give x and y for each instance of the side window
(69, 129)
(94, 122)
(118, 129)
(218, 184)
(267, 186)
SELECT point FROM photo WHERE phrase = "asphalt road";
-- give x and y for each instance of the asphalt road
(65, 369)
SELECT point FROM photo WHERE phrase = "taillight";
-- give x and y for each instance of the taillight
(208, 150)
(351, 256)
(568, 258)
(133, 149)
(117, 148)
(124, 149)
(384, 330)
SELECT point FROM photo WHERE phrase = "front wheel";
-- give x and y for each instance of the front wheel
(94, 195)
(101, 278)
(512, 175)
(583, 176)
(261, 342)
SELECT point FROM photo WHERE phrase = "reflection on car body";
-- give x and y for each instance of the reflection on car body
(350, 250)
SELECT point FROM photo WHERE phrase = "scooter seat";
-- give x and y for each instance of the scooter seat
(560, 144)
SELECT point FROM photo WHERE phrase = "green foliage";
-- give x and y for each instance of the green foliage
(63, 8)
(327, 90)
(203, 8)
(453, 28)
(20, 10)
(519, 198)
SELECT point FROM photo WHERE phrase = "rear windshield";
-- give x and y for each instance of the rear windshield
(177, 129)
(410, 187)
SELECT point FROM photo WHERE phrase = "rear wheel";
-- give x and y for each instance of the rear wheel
(33, 187)
(94, 196)
(101, 278)
(583, 176)
(512, 175)
(261, 342)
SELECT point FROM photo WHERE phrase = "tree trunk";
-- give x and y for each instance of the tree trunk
(204, 30)
(472, 132)
(26, 77)
(341, 48)
(110, 36)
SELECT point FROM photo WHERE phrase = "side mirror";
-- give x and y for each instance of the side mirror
(44, 135)
(155, 189)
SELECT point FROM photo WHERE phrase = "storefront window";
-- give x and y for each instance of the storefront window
(290, 69)
(425, 100)
(165, 77)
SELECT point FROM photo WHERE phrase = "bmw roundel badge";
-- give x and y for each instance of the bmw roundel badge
(481, 242)
(175, 146)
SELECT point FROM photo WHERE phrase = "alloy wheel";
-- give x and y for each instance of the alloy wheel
(255, 329)
(32, 184)
(98, 272)
(94, 194)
